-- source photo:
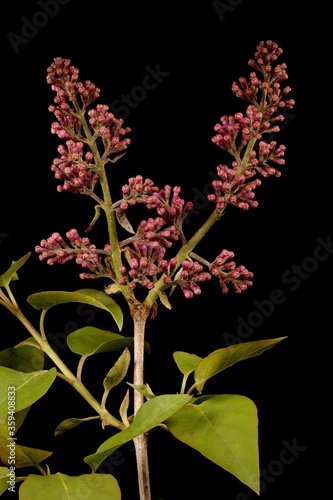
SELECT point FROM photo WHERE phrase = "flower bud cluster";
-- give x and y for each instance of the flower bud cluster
(191, 274)
(269, 152)
(228, 274)
(234, 188)
(136, 190)
(75, 168)
(56, 249)
(63, 80)
(109, 128)
(238, 134)
(167, 202)
(150, 230)
(146, 260)
(61, 75)
(146, 265)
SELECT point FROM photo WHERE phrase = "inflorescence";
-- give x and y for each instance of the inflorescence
(238, 134)
(144, 253)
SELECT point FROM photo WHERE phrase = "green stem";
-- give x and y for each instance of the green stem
(246, 157)
(6, 302)
(41, 324)
(106, 417)
(106, 205)
(41, 470)
(197, 237)
(253, 140)
(184, 252)
(182, 389)
(11, 296)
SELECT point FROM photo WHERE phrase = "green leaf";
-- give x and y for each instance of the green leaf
(19, 418)
(62, 487)
(90, 340)
(24, 357)
(28, 387)
(117, 373)
(10, 274)
(186, 362)
(223, 428)
(71, 423)
(143, 389)
(149, 415)
(221, 359)
(96, 298)
(24, 456)
(4, 477)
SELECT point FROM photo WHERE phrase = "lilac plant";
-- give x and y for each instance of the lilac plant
(146, 267)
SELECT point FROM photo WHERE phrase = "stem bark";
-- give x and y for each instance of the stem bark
(140, 314)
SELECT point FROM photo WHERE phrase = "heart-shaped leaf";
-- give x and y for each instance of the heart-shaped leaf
(24, 456)
(149, 415)
(222, 359)
(19, 418)
(96, 298)
(186, 362)
(7, 475)
(63, 487)
(90, 340)
(28, 387)
(223, 428)
(24, 357)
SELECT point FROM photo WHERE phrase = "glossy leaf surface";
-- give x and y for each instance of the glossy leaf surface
(149, 415)
(96, 298)
(62, 487)
(90, 340)
(24, 357)
(223, 428)
(222, 359)
(24, 456)
(4, 477)
(186, 362)
(29, 387)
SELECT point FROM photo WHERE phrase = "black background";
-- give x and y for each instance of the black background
(201, 50)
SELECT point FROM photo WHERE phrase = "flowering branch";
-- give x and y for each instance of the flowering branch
(156, 255)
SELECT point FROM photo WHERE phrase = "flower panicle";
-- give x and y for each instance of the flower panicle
(70, 104)
(238, 134)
